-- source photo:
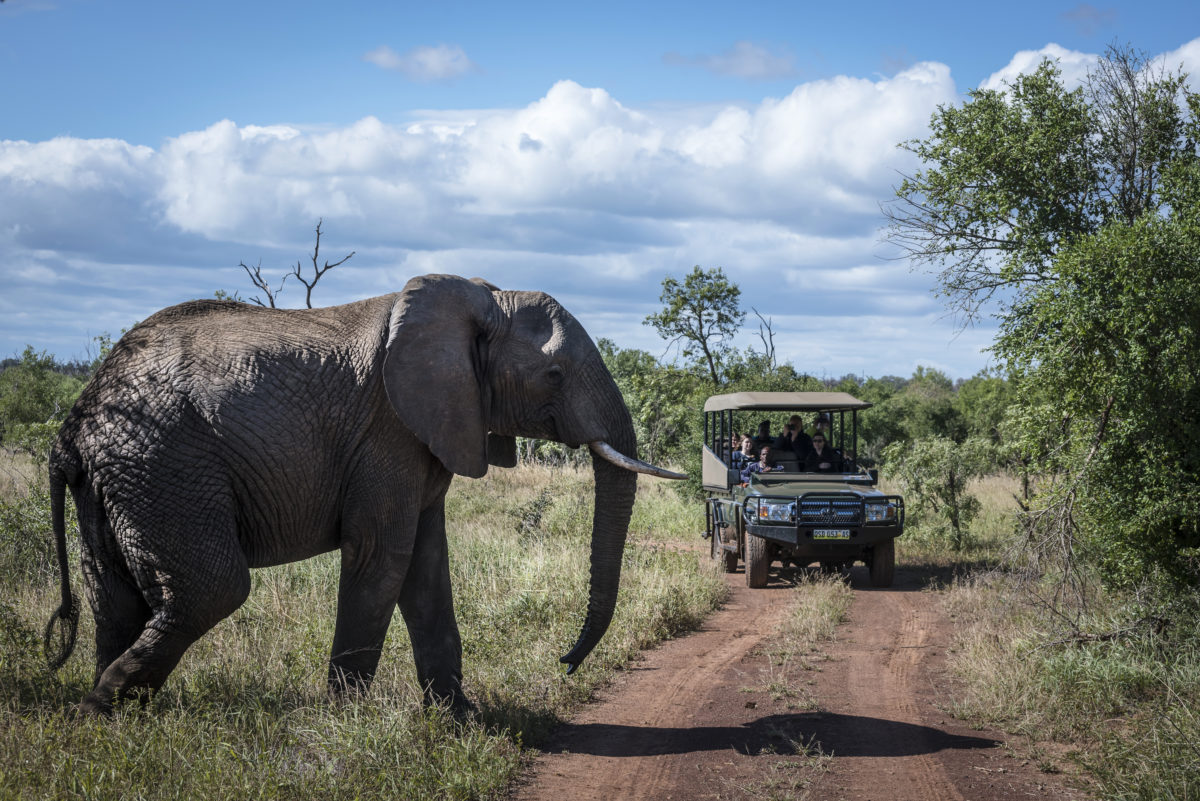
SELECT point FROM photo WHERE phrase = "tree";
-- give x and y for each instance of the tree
(35, 395)
(33, 391)
(701, 315)
(261, 283)
(933, 473)
(1079, 211)
(981, 402)
(1014, 176)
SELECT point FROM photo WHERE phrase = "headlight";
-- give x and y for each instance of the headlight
(776, 512)
(880, 512)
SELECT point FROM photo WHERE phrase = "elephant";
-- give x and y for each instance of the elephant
(218, 436)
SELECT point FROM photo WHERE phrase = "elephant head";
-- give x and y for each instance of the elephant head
(470, 367)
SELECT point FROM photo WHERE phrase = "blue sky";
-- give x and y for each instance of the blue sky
(147, 148)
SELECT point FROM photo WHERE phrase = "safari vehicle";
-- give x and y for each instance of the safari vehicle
(791, 516)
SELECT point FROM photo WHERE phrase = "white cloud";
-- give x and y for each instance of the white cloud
(574, 193)
(439, 63)
(1074, 66)
(742, 60)
(1186, 58)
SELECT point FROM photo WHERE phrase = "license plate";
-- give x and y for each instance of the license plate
(831, 533)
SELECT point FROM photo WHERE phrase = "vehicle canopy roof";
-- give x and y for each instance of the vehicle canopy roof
(784, 401)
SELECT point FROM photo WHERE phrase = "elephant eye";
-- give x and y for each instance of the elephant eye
(555, 376)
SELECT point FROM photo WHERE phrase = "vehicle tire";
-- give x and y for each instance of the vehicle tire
(727, 559)
(883, 564)
(758, 559)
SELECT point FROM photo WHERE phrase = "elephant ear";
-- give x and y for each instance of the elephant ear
(436, 364)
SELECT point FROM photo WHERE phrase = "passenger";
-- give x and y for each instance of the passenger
(793, 439)
(744, 455)
(764, 435)
(821, 424)
(821, 457)
(763, 465)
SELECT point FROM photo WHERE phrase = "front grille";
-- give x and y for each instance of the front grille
(831, 510)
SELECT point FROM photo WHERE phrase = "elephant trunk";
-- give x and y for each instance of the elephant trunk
(615, 490)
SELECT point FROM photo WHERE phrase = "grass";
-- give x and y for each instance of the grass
(1086, 683)
(989, 537)
(246, 714)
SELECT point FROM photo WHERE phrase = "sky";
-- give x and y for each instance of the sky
(585, 150)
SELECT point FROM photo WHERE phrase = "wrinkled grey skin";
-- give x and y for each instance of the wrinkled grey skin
(219, 436)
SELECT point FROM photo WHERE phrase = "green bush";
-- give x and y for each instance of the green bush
(27, 538)
(933, 474)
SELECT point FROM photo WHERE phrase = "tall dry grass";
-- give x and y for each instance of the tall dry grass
(1097, 681)
(246, 714)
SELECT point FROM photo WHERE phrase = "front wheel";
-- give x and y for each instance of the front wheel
(883, 564)
(758, 559)
(726, 559)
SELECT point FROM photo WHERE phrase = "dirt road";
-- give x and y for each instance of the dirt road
(708, 716)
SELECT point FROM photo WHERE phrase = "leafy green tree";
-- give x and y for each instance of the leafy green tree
(701, 315)
(934, 473)
(32, 391)
(981, 402)
(1077, 211)
(1111, 355)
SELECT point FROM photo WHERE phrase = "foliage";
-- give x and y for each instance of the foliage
(26, 538)
(1078, 211)
(34, 391)
(1119, 681)
(933, 473)
(980, 404)
(1111, 354)
(33, 439)
(701, 315)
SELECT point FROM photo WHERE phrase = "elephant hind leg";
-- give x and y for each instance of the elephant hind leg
(188, 588)
(120, 611)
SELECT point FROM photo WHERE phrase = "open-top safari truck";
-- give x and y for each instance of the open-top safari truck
(788, 515)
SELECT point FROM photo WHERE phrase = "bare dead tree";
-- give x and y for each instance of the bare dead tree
(767, 335)
(256, 278)
(261, 283)
(317, 271)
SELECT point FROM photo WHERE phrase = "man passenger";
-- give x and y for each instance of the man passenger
(763, 465)
(793, 439)
(764, 436)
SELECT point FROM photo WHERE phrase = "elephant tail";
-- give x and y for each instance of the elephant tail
(59, 640)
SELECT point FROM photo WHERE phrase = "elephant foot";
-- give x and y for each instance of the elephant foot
(459, 706)
(93, 706)
(456, 710)
(348, 683)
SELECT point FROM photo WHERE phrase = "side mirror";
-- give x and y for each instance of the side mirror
(874, 474)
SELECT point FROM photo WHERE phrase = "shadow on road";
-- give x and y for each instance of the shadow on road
(833, 734)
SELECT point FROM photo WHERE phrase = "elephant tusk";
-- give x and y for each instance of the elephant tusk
(611, 454)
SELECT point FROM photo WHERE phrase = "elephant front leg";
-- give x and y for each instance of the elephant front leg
(428, 609)
(368, 590)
